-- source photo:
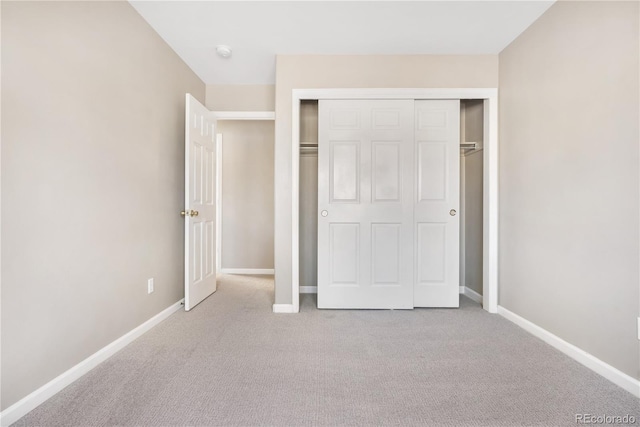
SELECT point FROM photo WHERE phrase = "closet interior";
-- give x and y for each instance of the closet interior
(308, 195)
(471, 182)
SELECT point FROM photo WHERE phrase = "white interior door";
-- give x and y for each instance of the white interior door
(200, 203)
(365, 204)
(437, 223)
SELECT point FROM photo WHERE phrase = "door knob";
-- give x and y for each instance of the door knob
(324, 213)
(184, 213)
(194, 213)
(452, 212)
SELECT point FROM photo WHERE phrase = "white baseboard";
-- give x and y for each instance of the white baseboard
(247, 271)
(614, 375)
(283, 308)
(19, 409)
(470, 293)
(308, 289)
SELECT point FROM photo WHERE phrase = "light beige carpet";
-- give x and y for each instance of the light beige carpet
(232, 362)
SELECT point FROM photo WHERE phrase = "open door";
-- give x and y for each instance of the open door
(200, 203)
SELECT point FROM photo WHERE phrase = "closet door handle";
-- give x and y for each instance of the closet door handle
(324, 213)
(452, 212)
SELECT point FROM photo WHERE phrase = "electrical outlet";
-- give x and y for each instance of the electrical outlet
(150, 285)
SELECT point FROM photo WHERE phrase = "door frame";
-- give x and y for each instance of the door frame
(490, 172)
(232, 116)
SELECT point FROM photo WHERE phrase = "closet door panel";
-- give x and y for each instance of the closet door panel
(432, 171)
(385, 252)
(365, 204)
(437, 203)
(344, 247)
(345, 171)
(386, 171)
(431, 253)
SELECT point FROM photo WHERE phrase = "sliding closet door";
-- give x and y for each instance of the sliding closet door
(437, 223)
(365, 204)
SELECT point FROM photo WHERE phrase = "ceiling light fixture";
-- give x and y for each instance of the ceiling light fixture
(223, 51)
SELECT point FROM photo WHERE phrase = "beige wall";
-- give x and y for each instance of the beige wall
(308, 219)
(92, 182)
(309, 122)
(319, 71)
(247, 193)
(473, 165)
(472, 120)
(241, 97)
(569, 203)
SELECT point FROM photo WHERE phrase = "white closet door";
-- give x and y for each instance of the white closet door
(365, 204)
(437, 222)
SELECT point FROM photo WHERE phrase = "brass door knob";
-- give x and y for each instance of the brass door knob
(183, 213)
(194, 213)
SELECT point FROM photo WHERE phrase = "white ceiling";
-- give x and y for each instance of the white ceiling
(258, 31)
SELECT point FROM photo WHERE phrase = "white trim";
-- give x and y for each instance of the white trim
(490, 179)
(399, 93)
(614, 375)
(308, 289)
(295, 204)
(283, 308)
(247, 271)
(471, 294)
(463, 219)
(25, 405)
(490, 205)
(219, 139)
(230, 115)
(244, 115)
